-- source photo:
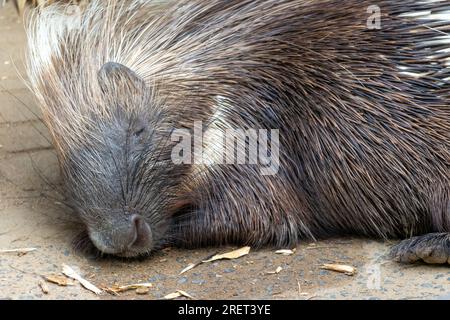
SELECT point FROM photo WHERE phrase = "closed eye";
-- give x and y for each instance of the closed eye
(139, 132)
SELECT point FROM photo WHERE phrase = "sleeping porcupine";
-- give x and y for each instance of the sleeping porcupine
(362, 112)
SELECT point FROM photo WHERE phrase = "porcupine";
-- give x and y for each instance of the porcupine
(362, 114)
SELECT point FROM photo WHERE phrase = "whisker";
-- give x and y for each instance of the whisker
(30, 110)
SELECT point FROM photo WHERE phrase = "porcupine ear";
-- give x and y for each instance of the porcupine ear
(119, 82)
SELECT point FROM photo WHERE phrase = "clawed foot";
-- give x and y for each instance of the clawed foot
(433, 248)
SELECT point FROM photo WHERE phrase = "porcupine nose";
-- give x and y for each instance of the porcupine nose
(142, 233)
(127, 239)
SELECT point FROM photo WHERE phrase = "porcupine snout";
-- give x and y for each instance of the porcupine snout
(132, 235)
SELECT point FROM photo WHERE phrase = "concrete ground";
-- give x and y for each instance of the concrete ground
(28, 169)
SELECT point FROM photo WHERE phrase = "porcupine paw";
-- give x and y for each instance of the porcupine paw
(433, 248)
